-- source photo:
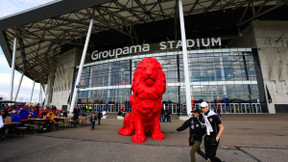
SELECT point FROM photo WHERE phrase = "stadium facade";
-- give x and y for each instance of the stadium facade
(236, 51)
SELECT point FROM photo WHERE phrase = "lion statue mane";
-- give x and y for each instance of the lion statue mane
(149, 85)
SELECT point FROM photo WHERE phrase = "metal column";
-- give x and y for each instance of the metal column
(32, 93)
(13, 69)
(185, 59)
(81, 67)
(20, 82)
(40, 95)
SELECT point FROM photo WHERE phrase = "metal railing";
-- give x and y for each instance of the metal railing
(224, 108)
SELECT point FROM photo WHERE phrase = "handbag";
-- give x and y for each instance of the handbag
(191, 140)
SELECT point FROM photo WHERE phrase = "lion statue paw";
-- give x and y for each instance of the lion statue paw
(138, 139)
(157, 136)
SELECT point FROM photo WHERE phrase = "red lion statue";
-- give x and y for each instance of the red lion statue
(148, 86)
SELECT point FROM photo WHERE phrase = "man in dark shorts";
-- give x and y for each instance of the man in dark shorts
(214, 130)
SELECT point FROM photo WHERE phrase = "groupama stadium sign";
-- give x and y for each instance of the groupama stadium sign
(164, 45)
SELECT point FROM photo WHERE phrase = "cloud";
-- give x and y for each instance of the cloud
(25, 89)
(5, 83)
(4, 67)
(8, 8)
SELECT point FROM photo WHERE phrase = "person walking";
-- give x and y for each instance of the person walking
(99, 116)
(169, 112)
(162, 118)
(197, 131)
(178, 111)
(93, 119)
(214, 130)
(76, 113)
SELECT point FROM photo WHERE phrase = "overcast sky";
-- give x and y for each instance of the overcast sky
(9, 7)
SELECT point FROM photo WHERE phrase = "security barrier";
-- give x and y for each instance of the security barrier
(224, 108)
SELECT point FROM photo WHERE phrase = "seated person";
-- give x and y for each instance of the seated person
(4, 114)
(24, 113)
(1, 120)
(44, 113)
(65, 113)
(50, 116)
(33, 113)
(60, 114)
(54, 108)
(40, 112)
(2, 129)
(56, 112)
(15, 117)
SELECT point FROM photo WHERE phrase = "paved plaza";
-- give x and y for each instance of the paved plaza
(246, 138)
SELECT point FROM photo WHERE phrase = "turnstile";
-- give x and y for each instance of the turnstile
(245, 108)
(222, 107)
(102, 107)
(111, 108)
(234, 108)
(256, 107)
(95, 107)
(213, 107)
(173, 107)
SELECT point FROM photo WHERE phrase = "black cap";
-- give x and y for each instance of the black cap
(196, 111)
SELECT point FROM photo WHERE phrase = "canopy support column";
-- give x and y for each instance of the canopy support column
(13, 69)
(185, 59)
(76, 86)
(20, 82)
(40, 95)
(32, 93)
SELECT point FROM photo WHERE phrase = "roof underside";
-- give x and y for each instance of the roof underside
(45, 32)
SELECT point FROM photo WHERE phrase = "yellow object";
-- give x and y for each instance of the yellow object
(50, 116)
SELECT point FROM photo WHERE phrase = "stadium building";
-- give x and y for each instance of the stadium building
(236, 51)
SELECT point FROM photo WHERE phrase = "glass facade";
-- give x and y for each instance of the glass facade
(225, 78)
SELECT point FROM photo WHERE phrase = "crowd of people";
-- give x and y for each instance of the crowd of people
(82, 112)
(203, 122)
(165, 114)
(21, 113)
